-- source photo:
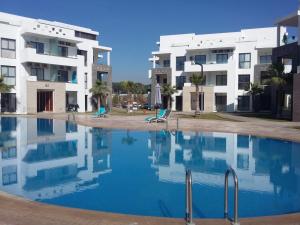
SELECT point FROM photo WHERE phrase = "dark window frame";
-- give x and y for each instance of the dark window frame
(166, 63)
(4, 75)
(221, 58)
(180, 60)
(243, 61)
(221, 80)
(201, 59)
(34, 72)
(265, 59)
(8, 47)
(243, 85)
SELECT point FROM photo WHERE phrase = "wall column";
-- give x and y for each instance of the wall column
(108, 58)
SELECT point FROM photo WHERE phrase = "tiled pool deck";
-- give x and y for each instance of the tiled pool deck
(17, 211)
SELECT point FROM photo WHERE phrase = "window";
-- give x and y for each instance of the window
(222, 58)
(63, 51)
(9, 74)
(8, 48)
(166, 63)
(245, 61)
(180, 80)
(200, 59)
(38, 72)
(244, 82)
(244, 103)
(221, 80)
(38, 46)
(85, 35)
(85, 80)
(158, 79)
(103, 77)
(62, 76)
(180, 63)
(265, 59)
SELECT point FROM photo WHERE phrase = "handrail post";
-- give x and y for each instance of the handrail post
(236, 190)
(188, 198)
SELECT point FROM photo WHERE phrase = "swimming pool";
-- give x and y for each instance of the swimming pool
(143, 173)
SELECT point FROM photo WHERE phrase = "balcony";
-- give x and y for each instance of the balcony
(30, 55)
(161, 70)
(289, 52)
(102, 68)
(189, 66)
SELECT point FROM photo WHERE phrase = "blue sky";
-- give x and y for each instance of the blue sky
(132, 27)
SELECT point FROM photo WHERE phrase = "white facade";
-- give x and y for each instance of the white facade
(222, 54)
(52, 54)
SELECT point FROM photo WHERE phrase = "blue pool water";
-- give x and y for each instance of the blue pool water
(143, 173)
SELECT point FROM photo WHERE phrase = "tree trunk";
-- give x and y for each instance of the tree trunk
(128, 101)
(99, 102)
(170, 102)
(197, 100)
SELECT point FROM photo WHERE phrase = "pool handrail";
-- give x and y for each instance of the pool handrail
(236, 198)
(188, 198)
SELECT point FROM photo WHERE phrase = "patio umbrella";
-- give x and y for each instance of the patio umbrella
(157, 99)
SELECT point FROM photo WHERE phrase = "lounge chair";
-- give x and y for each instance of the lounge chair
(164, 117)
(101, 112)
(160, 114)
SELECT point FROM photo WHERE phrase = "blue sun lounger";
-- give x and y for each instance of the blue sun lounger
(101, 112)
(161, 114)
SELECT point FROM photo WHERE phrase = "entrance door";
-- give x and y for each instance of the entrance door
(8, 102)
(221, 102)
(178, 103)
(44, 101)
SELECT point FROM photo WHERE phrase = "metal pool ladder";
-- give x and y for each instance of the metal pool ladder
(236, 197)
(188, 198)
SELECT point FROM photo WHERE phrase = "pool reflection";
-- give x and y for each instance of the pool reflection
(44, 159)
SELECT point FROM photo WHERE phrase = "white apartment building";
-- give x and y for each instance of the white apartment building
(50, 65)
(231, 61)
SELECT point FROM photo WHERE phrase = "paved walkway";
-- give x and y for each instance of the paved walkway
(243, 125)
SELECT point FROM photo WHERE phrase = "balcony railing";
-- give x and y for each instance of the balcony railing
(190, 66)
(49, 53)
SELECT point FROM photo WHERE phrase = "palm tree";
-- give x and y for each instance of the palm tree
(255, 90)
(129, 87)
(168, 91)
(276, 75)
(197, 80)
(4, 88)
(100, 91)
(277, 79)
